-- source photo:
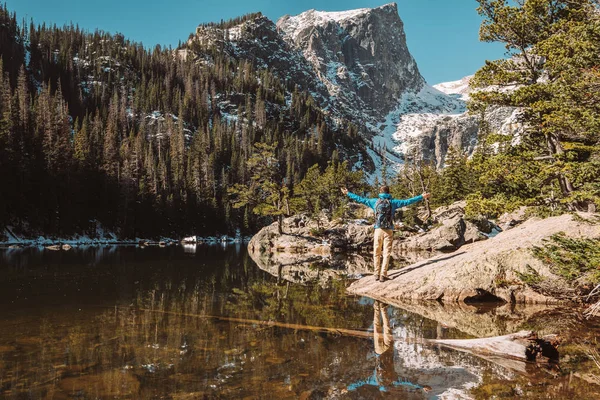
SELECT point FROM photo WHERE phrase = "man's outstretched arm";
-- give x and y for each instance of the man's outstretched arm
(399, 203)
(358, 199)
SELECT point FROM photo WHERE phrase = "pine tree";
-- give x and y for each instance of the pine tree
(259, 110)
(266, 193)
(456, 177)
(177, 156)
(82, 143)
(110, 158)
(24, 101)
(555, 50)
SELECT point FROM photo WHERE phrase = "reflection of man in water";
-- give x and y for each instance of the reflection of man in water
(383, 341)
(384, 377)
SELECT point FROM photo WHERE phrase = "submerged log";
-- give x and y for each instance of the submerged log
(523, 345)
(338, 331)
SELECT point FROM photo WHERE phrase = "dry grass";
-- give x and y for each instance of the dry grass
(593, 354)
(595, 308)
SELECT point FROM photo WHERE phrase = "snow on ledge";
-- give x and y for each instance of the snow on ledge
(293, 25)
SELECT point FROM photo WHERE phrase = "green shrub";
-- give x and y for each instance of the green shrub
(571, 258)
(492, 207)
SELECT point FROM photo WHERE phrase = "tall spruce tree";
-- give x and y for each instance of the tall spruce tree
(456, 180)
(266, 193)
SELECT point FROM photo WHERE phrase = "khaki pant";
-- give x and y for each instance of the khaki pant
(383, 241)
(384, 346)
(382, 332)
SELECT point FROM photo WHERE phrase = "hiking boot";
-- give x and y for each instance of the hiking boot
(384, 278)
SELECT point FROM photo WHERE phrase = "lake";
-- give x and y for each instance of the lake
(206, 322)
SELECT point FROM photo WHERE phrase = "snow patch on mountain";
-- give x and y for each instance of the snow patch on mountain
(235, 33)
(296, 24)
(458, 89)
(415, 114)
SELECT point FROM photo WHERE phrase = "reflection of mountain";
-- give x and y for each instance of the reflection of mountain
(447, 373)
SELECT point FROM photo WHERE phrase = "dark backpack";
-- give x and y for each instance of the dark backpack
(383, 214)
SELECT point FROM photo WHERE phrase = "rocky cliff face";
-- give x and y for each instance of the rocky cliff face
(360, 56)
(429, 136)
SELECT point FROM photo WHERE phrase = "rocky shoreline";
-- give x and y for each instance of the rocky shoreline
(484, 271)
(8, 239)
(455, 261)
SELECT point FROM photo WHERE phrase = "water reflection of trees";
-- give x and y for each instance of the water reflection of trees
(162, 343)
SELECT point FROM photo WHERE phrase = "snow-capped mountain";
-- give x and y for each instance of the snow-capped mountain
(357, 66)
(360, 55)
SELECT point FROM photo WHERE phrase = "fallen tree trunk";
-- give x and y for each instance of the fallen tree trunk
(523, 345)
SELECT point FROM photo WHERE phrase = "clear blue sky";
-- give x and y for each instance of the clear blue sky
(442, 35)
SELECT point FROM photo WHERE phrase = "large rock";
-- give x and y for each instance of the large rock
(452, 232)
(510, 220)
(450, 211)
(358, 236)
(489, 270)
(311, 251)
(305, 236)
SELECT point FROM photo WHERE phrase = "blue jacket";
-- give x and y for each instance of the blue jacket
(396, 203)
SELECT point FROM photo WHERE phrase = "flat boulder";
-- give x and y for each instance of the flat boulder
(450, 235)
(450, 211)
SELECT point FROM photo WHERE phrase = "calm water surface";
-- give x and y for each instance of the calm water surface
(181, 323)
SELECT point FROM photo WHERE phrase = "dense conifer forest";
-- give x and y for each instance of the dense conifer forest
(95, 128)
